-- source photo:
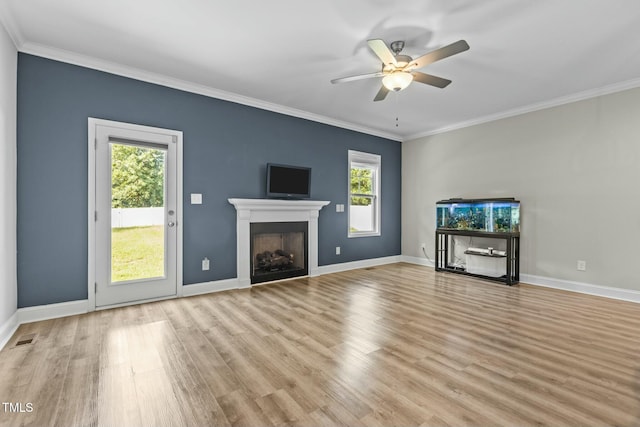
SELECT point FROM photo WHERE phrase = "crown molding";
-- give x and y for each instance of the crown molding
(172, 82)
(175, 83)
(579, 96)
(9, 23)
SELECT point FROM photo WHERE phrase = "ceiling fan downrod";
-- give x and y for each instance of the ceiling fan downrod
(397, 46)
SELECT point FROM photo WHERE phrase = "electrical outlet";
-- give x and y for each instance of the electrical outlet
(337, 250)
(582, 265)
(205, 264)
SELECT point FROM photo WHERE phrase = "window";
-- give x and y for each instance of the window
(364, 194)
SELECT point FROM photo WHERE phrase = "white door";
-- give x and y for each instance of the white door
(136, 212)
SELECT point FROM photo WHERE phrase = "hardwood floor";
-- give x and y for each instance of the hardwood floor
(392, 345)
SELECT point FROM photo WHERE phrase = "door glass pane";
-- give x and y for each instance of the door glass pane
(137, 212)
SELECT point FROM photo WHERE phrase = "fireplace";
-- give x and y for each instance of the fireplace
(278, 250)
(259, 211)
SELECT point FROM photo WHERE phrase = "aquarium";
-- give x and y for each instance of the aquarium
(486, 215)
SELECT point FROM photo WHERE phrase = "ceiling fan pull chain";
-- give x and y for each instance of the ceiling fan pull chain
(397, 108)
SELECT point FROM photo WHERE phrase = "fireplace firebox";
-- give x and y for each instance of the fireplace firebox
(278, 250)
(251, 211)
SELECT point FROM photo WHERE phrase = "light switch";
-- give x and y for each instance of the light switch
(196, 198)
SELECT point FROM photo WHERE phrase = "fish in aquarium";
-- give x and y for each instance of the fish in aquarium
(487, 215)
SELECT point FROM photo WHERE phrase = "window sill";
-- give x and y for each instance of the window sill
(364, 234)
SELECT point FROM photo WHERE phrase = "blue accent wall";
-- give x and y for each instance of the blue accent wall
(226, 148)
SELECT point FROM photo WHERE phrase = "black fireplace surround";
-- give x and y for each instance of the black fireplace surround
(278, 250)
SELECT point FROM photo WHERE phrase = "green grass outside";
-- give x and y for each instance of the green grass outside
(137, 253)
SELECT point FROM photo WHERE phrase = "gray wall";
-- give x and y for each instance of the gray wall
(575, 168)
(226, 148)
(8, 68)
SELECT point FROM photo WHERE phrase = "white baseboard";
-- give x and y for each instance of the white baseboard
(583, 288)
(208, 287)
(40, 312)
(417, 260)
(52, 311)
(229, 284)
(565, 285)
(7, 329)
(353, 265)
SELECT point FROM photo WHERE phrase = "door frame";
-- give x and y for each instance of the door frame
(91, 212)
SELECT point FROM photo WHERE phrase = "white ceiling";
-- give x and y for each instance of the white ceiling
(282, 54)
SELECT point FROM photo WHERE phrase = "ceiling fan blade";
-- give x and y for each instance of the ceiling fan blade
(358, 77)
(438, 54)
(429, 79)
(382, 93)
(383, 52)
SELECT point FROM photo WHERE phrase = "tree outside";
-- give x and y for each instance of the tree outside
(137, 179)
(361, 183)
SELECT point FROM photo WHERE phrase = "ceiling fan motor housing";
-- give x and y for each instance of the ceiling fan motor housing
(396, 78)
(401, 61)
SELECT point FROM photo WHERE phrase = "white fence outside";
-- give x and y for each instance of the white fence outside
(136, 217)
(361, 217)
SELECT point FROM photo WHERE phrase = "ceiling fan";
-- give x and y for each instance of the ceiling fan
(398, 71)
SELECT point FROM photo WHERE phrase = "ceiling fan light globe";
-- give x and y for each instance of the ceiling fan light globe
(397, 81)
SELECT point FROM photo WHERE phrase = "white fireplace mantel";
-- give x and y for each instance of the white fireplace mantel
(274, 210)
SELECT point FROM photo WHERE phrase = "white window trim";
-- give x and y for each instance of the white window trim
(374, 161)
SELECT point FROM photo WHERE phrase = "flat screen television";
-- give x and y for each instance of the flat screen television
(288, 182)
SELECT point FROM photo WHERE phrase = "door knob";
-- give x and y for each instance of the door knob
(171, 224)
